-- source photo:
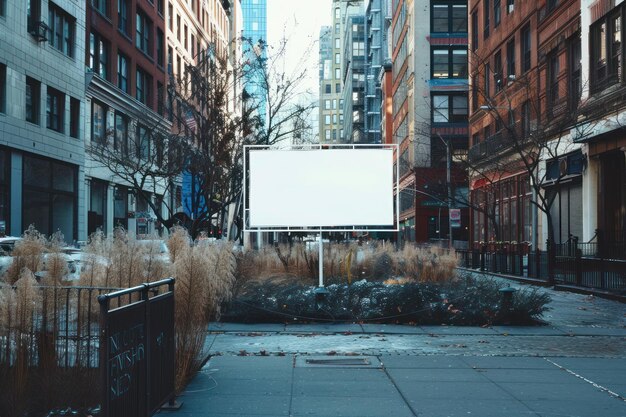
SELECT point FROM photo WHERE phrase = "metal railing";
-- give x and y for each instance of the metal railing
(138, 349)
(570, 266)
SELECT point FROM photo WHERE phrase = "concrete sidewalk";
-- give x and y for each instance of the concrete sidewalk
(573, 366)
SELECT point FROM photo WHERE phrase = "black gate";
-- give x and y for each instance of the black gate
(137, 349)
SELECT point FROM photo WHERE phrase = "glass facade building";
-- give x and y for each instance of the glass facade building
(255, 32)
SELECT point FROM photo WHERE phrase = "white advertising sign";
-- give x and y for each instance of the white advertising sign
(321, 188)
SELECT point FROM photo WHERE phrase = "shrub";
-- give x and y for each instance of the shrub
(459, 302)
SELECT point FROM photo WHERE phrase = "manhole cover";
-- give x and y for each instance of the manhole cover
(337, 362)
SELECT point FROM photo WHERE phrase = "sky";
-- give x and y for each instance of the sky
(300, 21)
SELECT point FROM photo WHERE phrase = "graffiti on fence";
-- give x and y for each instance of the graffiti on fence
(127, 350)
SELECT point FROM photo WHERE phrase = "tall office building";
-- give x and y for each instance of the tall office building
(353, 94)
(376, 54)
(42, 107)
(255, 32)
(326, 93)
(430, 111)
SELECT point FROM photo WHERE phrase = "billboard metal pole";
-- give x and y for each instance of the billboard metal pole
(321, 262)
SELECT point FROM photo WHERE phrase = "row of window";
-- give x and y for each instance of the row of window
(331, 134)
(138, 145)
(100, 63)
(55, 108)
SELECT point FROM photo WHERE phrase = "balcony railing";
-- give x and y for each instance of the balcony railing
(491, 146)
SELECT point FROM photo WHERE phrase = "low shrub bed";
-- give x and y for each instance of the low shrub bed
(465, 301)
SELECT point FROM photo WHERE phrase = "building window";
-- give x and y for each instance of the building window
(61, 32)
(101, 5)
(33, 14)
(487, 82)
(510, 6)
(337, 13)
(142, 91)
(178, 25)
(120, 206)
(143, 143)
(99, 55)
(122, 16)
(486, 7)
(334, 104)
(74, 117)
(3, 88)
(337, 43)
(337, 73)
(185, 38)
(120, 139)
(449, 63)
(474, 31)
(497, 71)
(553, 80)
(574, 69)
(337, 88)
(449, 108)
(55, 107)
(510, 59)
(49, 196)
(142, 37)
(98, 123)
(170, 16)
(496, 13)
(525, 119)
(327, 119)
(122, 72)
(449, 16)
(337, 58)
(327, 134)
(161, 6)
(160, 48)
(2, 7)
(525, 48)
(97, 206)
(33, 98)
(606, 51)
(326, 104)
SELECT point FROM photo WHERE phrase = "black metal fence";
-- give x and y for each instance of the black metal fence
(61, 325)
(137, 354)
(572, 266)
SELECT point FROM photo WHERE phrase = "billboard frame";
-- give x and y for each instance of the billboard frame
(318, 229)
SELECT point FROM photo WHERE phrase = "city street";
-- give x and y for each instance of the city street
(572, 366)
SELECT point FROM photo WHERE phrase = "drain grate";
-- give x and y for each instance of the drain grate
(340, 361)
(337, 362)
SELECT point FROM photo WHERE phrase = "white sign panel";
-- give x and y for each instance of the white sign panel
(321, 188)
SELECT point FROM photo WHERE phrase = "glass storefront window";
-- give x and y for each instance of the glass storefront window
(49, 196)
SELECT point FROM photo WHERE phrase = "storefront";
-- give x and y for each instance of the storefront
(49, 196)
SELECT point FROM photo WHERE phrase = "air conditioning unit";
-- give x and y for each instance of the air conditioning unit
(39, 30)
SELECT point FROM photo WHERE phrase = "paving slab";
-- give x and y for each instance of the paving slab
(350, 406)
(506, 362)
(391, 329)
(428, 361)
(571, 407)
(594, 331)
(323, 328)
(425, 375)
(246, 327)
(475, 408)
(458, 330)
(529, 330)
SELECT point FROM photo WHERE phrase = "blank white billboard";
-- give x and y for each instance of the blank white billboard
(321, 188)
